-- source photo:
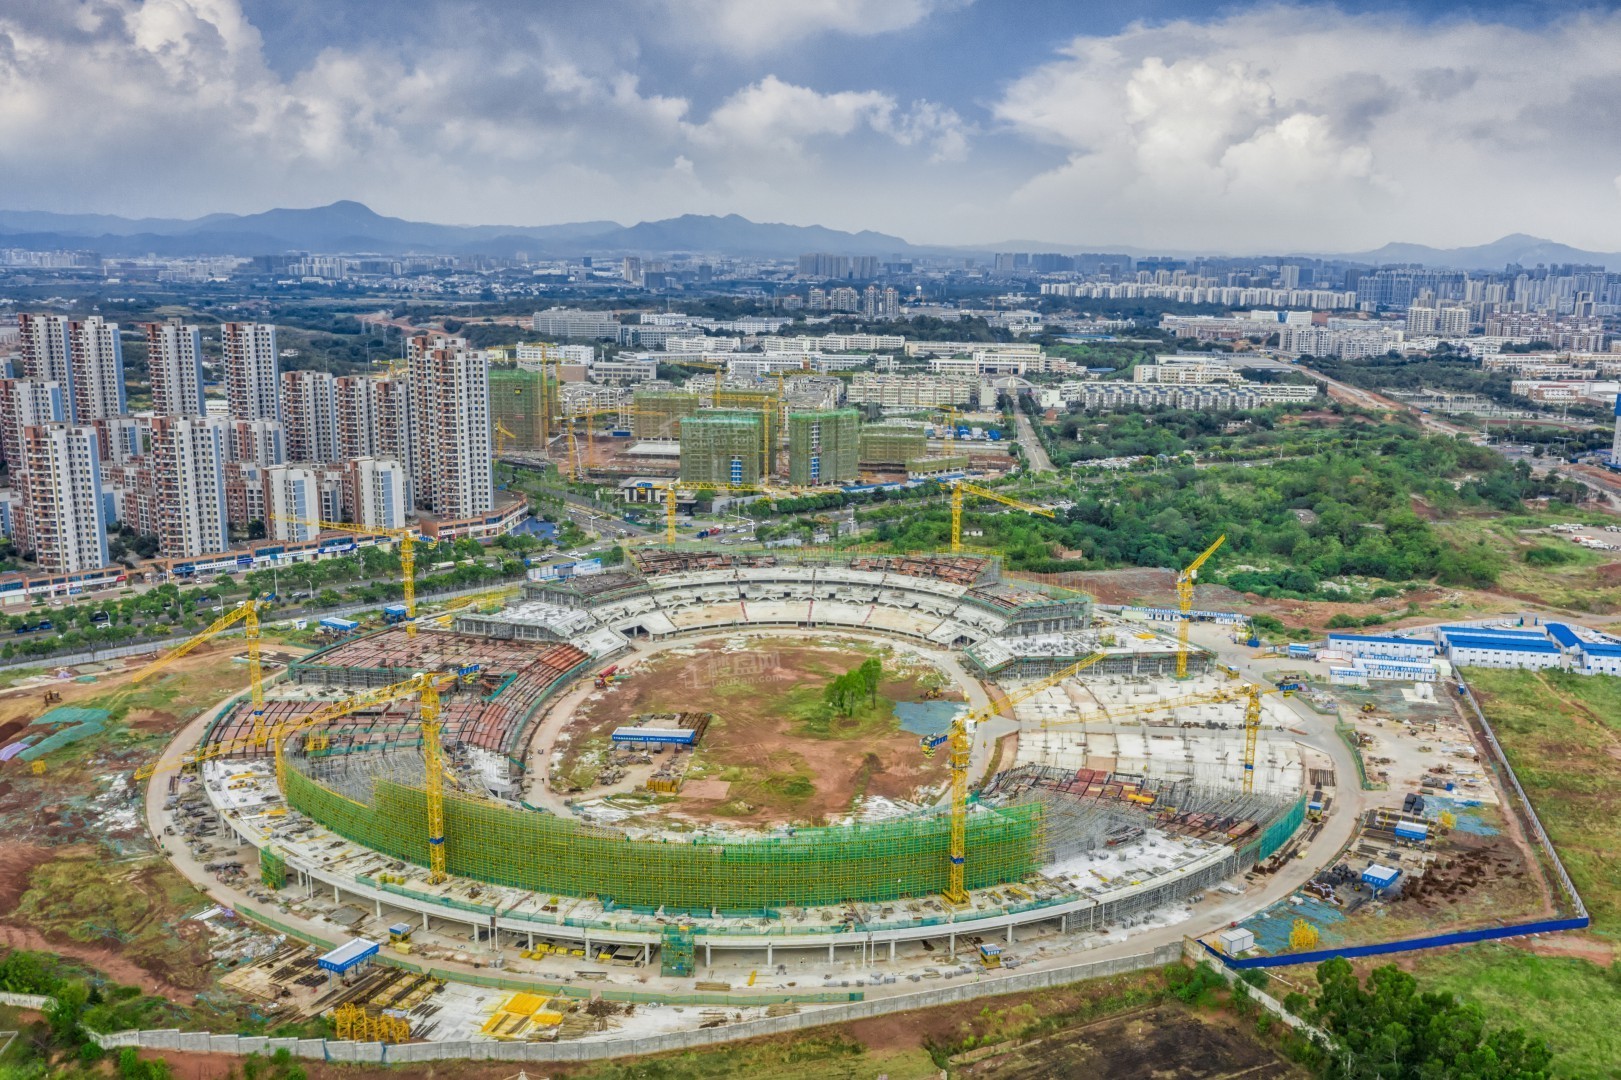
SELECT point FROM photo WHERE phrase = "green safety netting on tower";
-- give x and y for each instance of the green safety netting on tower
(812, 866)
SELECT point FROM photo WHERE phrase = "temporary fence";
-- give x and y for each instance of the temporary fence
(1383, 948)
(601, 1049)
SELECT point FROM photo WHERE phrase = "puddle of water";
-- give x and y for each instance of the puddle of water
(927, 717)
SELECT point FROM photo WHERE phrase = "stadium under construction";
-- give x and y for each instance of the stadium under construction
(1101, 788)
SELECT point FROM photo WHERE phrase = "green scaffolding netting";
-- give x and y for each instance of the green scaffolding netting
(544, 853)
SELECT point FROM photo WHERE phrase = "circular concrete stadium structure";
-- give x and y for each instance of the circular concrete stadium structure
(1071, 828)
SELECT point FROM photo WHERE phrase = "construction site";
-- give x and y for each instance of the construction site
(633, 783)
(787, 434)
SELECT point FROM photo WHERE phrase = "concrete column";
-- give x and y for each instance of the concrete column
(531, 941)
(954, 944)
(647, 953)
(767, 952)
(379, 904)
(891, 950)
(1010, 933)
(830, 952)
(709, 955)
(588, 946)
(335, 894)
(475, 927)
(1063, 924)
(424, 920)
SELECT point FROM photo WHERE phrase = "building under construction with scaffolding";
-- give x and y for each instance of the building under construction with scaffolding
(824, 447)
(522, 402)
(723, 446)
(353, 807)
(657, 414)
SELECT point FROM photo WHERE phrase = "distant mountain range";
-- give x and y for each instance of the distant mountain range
(1517, 248)
(354, 227)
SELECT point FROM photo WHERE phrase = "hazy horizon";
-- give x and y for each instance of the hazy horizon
(1160, 125)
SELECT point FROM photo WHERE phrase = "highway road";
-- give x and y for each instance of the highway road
(1035, 453)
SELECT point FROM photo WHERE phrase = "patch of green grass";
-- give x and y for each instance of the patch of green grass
(9, 679)
(1547, 568)
(1568, 1002)
(1562, 734)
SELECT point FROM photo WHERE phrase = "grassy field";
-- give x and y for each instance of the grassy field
(1577, 581)
(1568, 1002)
(1562, 733)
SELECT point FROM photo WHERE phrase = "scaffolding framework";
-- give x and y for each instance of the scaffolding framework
(519, 400)
(824, 447)
(657, 414)
(893, 445)
(541, 852)
(721, 446)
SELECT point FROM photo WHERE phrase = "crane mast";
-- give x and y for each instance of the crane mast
(1184, 598)
(961, 486)
(961, 751)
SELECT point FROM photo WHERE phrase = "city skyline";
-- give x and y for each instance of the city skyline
(1286, 128)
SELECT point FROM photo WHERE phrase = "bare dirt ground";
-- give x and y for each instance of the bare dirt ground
(1163, 1043)
(76, 820)
(781, 761)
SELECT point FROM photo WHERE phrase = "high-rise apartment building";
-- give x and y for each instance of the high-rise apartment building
(292, 493)
(66, 528)
(356, 412)
(188, 474)
(96, 359)
(309, 413)
(24, 403)
(252, 371)
(44, 340)
(374, 492)
(174, 361)
(391, 412)
(450, 427)
(258, 442)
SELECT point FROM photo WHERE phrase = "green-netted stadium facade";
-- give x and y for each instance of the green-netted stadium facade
(542, 852)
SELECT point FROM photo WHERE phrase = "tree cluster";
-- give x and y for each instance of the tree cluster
(1387, 1029)
(846, 693)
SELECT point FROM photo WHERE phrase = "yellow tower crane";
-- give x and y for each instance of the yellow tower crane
(948, 441)
(501, 437)
(962, 748)
(960, 486)
(424, 686)
(669, 501)
(1184, 598)
(406, 538)
(246, 613)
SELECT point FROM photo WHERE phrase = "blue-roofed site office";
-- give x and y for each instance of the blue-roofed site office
(1552, 645)
(1502, 651)
(1385, 647)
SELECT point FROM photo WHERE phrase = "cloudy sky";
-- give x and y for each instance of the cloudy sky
(1104, 122)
